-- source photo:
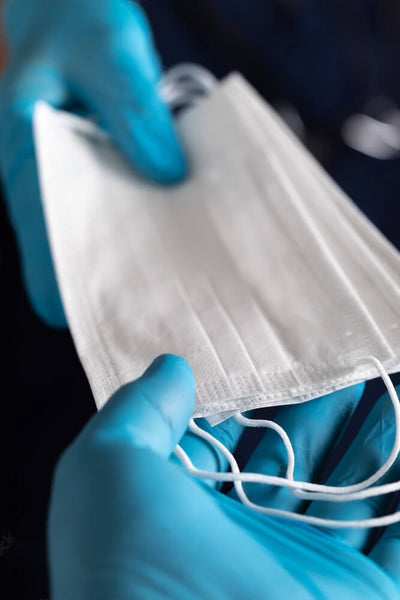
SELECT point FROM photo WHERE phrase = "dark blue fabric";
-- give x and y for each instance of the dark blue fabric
(328, 58)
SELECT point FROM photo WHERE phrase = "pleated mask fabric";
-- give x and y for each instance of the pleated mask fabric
(257, 269)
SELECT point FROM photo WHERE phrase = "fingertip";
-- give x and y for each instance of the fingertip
(171, 367)
(169, 381)
(49, 310)
(154, 410)
(156, 152)
(170, 360)
(172, 168)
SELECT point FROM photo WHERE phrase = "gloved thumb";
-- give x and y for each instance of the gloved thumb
(153, 411)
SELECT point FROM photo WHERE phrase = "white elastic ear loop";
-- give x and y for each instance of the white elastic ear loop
(350, 491)
(267, 424)
(354, 491)
(237, 477)
(183, 84)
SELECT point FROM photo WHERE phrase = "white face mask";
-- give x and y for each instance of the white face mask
(258, 269)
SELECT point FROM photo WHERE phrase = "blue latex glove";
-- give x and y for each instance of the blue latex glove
(126, 521)
(93, 56)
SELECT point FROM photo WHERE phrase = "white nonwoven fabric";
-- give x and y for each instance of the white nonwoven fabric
(257, 269)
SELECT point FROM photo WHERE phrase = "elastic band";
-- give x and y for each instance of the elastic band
(183, 84)
(357, 491)
(351, 490)
(267, 424)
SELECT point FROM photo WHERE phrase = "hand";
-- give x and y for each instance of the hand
(95, 57)
(127, 521)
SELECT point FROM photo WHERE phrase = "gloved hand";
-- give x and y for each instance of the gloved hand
(127, 522)
(95, 57)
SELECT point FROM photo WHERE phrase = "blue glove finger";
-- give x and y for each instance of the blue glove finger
(122, 91)
(386, 552)
(101, 52)
(151, 412)
(368, 452)
(314, 428)
(18, 92)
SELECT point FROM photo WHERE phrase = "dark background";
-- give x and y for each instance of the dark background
(326, 60)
